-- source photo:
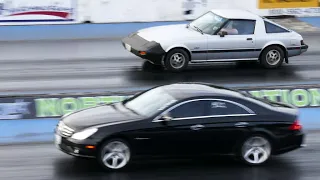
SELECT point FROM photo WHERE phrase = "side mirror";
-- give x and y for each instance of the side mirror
(223, 33)
(165, 118)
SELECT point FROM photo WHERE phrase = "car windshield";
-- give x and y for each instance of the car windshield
(208, 23)
(150, 102)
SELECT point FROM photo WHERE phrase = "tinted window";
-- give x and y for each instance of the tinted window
(216, 107)
(239, 27)
(272, 28)
(190, 109)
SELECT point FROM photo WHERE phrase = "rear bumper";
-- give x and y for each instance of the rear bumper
(290, 143)
(149, 50)
(296, 51)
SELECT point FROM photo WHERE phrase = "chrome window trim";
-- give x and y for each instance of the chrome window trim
(213, 116)
(250, 112)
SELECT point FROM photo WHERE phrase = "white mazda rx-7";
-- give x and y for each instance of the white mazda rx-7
(220, 35)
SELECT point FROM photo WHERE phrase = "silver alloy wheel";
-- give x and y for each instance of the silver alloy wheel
(177, 60)
(115, 155)
(256, 150)
(273, 57)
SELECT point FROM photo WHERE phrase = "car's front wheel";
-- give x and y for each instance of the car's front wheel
(272, 57)
(114, 154)
(176, 60)
(255, 150)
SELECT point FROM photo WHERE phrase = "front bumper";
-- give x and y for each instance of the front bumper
(149, 50)
(75, 148)
(304, 48)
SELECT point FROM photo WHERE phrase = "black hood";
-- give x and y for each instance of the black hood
(99, 115)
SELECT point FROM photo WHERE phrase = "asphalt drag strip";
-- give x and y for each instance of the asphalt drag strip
(59, 77)
(45, 162)
(29, 67)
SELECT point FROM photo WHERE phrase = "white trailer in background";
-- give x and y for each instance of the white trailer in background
(29, 12)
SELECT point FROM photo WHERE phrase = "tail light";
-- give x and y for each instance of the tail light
(296, 126)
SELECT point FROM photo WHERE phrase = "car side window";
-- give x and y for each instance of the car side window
(219, 107)
(239, 27)
(189, 109)
(272, 28)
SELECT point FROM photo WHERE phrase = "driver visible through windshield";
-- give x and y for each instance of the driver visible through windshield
(208, 23)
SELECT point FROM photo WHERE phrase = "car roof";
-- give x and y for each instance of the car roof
(187, 90)
(236, 14)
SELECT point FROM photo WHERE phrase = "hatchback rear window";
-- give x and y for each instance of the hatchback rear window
(272, 28)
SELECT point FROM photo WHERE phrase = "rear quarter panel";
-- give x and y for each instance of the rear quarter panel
(270, 120)
(287, 40)
(274, 122)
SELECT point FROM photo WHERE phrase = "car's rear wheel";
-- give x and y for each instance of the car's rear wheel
(272, 57)
(114, 154)
(255, 150)
(176, 60)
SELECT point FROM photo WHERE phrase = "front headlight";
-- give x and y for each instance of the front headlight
(84, 134)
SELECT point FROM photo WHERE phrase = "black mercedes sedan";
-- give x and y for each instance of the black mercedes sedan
(181, 120)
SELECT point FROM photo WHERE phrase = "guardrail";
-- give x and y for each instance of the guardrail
(33, 118)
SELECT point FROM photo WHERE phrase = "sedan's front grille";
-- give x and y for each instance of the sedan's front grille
(64, 129)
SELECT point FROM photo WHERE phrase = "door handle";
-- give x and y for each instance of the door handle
(197, 127)
(249, 39)
(241, 124)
